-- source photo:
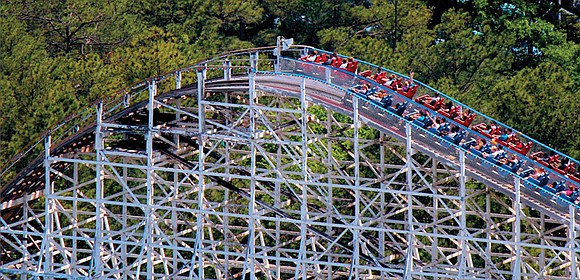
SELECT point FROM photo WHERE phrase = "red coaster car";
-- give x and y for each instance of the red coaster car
(366, 73)
(539, 158)
(521, 148)
(467, 121)
(575, 177)
(451, 113)
(409, 93)
(430, 103)
(480, 127)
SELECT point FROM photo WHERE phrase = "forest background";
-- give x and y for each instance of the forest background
(517, 61)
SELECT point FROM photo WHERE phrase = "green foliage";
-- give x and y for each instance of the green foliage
(529, 103)
(459, 55)
(381, 33)
(507, 60)
(153, 52)
(79, 26)
(302, 19)
(567, 56)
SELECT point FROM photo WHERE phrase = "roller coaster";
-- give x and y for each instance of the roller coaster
(265, 166)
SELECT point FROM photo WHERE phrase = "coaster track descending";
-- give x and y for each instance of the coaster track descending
(271, 167)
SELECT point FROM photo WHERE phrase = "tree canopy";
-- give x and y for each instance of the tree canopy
(517, 61)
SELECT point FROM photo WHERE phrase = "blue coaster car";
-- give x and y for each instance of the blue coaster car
(541, 181)
(455, 139)
(476, 152)
(550, 189)
(560, 186)
(512, 167)
(387, 101)
(399, 108)
(486, 148)
(468, 144)
(562, 198)
(527, 172)
(426, 122)
(360, 95)
(571, 199)
(434, 131)
(497, 159)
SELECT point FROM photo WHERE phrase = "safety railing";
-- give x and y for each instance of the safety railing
(480, 117)
(118, 101)
(347, 80)
(263, 59)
